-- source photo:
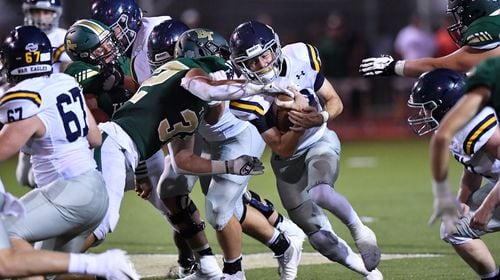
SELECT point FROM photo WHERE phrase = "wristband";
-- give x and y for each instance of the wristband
(399, 67)
(325, 116)
(441, 189)
(220, 167)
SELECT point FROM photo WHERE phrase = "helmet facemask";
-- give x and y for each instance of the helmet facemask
(457, 29)
(125, 35)
(423, 120)
(107, 51)
(266, 74)
(42, 14)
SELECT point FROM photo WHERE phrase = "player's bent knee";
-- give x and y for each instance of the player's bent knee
(254, 200)
(186, 220)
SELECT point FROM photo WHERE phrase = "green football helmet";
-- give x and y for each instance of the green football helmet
(465, 12)
(200, 42)
(91, 41)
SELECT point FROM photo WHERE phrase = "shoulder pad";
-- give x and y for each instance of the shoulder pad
(250, 108)
(304, 52)
(483, 33)
(19, 105)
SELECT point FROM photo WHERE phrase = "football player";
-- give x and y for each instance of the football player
(256, 53)
(45, 15)
(47, 112)
(102, 70)
(226, 138)
(132, 30)
(112, 264)
(475, 31)
(475, 147)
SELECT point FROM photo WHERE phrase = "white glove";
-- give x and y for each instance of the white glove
(218, 75)
(446, 207)
(245, 165)
(279, 85)
(12, 206)
(377, 66)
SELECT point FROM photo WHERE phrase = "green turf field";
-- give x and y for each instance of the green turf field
(386, 181)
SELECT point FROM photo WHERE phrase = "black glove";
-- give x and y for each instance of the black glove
(112, 76)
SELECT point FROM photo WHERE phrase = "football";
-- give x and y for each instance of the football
(280, 114)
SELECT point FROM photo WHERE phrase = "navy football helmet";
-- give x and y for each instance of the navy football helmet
(247, 43)
(46, 24)
(200, 42)
(26, 53)
(161, 41)
(465, 12)
(124, 17)
(433, 95)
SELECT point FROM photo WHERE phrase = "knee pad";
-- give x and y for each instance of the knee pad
(326, 243)
(183, 221)
(253, 199)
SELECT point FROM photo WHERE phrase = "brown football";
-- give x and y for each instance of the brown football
(280, 114)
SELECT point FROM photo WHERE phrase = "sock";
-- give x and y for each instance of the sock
(205, 250)
(491, 276)
(232, 266)
(278, 244)
(327, 198)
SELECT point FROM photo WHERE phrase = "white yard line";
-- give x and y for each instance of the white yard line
(149, 265)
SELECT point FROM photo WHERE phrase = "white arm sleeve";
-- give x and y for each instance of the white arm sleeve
(232, 91)
(220, 166)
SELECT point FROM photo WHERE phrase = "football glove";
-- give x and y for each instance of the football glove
(446, 207)
(112, 77)
(245, 165)
(377, 66)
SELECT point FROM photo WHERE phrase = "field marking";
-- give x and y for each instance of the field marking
(155, 265)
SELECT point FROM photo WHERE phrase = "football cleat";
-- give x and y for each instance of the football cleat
(208, 270)
(288, 262)
(374, 275)
(366, 242)
(240, 275)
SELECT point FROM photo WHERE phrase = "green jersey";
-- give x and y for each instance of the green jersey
(483, 33)
(90, 77)
(162, 109)
(487, 73)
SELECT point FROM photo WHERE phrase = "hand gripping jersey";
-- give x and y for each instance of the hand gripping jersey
(301, 66)
(487, 73)
(467, 143)
(63, 152)
(483, 33)
(91, 79)
(162, 109)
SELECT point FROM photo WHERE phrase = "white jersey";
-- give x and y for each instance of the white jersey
(140, 66)
(467, 143)
(228, 126)
(301, 66)
(56, 37)
(63, 152)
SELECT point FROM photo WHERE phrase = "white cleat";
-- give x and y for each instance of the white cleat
(292, 231)
(374, 275)
(116, 265)
(366, 242)
(240, 275)
(289, 262)
(208, 270)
